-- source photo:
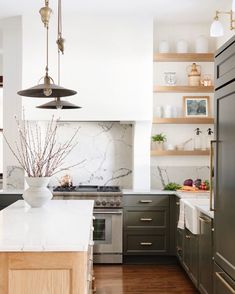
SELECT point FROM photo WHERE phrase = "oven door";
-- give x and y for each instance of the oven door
(107, 233)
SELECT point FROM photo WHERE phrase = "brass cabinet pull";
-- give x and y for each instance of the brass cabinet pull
(188, 237)
(226, 284)
(146, 243)
(146, 201)
(143, 219)
(211, 173)
(177, 203)
(205, 220)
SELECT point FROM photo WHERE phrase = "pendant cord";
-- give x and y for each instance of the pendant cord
(47, 49)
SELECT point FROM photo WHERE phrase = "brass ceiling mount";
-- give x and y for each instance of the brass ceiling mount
(45, 13)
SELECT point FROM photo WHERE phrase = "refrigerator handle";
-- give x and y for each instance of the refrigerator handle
(211, 173)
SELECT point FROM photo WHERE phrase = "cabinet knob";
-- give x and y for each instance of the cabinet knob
(188, 237)
(177, 203)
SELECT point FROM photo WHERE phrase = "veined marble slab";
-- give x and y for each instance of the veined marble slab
(61, 225)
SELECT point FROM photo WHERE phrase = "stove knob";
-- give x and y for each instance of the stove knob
(118, 203)
(104, 202)
(97, 202)
(112, 203)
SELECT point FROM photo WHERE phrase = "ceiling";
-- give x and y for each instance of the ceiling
(172, 11)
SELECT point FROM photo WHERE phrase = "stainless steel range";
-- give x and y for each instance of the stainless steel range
(107, 233)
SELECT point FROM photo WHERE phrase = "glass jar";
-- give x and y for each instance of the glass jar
(170, 78)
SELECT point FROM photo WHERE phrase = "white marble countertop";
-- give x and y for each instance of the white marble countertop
(3, 192)
(61, 225)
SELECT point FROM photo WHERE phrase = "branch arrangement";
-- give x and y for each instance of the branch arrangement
(38, 156)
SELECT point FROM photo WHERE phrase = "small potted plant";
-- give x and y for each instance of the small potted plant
(158, 141)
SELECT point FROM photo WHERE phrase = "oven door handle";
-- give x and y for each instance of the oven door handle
(107, 212)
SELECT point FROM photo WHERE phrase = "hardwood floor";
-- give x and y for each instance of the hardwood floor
(142, 279)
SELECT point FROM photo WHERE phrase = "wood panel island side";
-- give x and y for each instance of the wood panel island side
(47, 250)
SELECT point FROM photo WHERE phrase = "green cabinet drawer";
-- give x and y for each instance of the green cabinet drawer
(142, 243)
(146, 200)
(157, 218)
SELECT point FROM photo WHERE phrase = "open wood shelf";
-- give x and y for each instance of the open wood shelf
(184, 120)
(183, 89)
(183, 57)
(180, 153)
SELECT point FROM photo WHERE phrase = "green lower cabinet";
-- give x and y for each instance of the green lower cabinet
(205, 255)
(190, 255)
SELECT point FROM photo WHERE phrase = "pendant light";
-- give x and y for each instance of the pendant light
(48, 88)
(57, 103)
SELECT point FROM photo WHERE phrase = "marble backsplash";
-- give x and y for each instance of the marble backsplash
(15, 178)
(162, 175)
(104, 150)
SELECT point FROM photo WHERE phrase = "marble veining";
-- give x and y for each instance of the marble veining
(15, 178)
(105, 150)
(162, 175)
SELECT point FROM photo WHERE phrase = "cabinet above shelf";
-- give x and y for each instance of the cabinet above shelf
(183, 57)
(184, 120)
(183, 89)
(180, 153)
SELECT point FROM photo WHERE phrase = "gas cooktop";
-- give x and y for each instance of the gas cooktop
(87, 188)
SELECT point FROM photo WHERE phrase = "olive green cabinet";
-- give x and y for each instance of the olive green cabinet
(190, 255)
(205, 255)
(8, 199)
(147, 225)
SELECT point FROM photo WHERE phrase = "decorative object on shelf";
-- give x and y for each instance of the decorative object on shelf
(170, 78)
(164, 47)
(182, 46)
(196, 106)
(170, 147)
(206, 80)
(182, 145)
(168, 111)
(194, 74)
(159, 111)
(48, 89)
(41, 157)
(201, 44)
(216, 29)
(158, 141)
(198, 139)
(209, 138)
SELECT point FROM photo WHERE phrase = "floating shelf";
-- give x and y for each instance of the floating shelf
(183, 89)
(183, 57)
(180, 153)
(184, 120)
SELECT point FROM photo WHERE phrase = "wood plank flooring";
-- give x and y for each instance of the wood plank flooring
(142, 279)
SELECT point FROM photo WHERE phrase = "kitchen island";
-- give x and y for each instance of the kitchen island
(46, 250)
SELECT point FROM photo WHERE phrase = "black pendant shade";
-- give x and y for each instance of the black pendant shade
(39, 91)
(58, 104)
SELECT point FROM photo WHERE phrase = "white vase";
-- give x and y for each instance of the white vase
(182, 46)
(37, 194)
(164, 46)
(158, 145)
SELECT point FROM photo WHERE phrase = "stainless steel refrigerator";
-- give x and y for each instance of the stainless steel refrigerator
(223, 149)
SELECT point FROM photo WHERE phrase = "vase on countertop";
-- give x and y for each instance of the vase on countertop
(37, 194)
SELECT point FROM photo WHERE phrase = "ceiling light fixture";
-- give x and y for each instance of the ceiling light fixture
(48, 88)
(57, 103)
(217, 29)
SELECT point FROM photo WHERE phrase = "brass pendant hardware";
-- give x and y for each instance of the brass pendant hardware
(45, 13)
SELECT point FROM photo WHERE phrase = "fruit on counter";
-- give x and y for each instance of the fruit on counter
(188, 182)
(205, 185)
(189, 189)
(172, 187)
(197, 183)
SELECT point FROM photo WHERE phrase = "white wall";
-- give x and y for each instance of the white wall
(226, 5)
(108, 60)
(12, 72)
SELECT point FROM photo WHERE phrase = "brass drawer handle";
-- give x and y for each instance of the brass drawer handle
(146, 243)
(143, 219)
(226, 284)
(146, 201)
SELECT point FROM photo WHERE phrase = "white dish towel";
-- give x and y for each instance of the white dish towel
(181, 215)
